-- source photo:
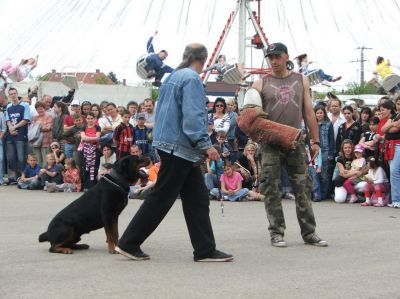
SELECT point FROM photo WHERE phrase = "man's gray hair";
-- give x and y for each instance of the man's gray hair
(193, 52)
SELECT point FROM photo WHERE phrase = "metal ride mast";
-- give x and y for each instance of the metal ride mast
(259, 40)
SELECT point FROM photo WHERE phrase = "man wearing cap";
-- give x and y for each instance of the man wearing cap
(285, 97)
(142, 135)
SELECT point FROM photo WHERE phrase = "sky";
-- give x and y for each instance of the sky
(111, 35)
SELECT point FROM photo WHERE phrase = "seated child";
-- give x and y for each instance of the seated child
(143, 190)
(72, 179)
(357, 164)
(30, 177)
(214, 172)
(58, 153)
(223, 147)
(231, 185)
(135, 189)
(51, 172)
(377, 183)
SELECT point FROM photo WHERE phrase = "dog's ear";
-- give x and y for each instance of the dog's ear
(125, 163)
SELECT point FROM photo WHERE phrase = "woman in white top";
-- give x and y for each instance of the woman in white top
(219, 117)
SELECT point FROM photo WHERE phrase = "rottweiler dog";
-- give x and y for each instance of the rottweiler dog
(99, 207)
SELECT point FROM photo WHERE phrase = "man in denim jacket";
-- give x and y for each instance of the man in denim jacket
(181, 138)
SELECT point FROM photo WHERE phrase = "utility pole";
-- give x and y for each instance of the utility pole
(361, 60)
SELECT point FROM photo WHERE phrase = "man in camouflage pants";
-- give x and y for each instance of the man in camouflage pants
(285, 97)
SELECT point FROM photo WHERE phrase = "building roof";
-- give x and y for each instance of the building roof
(87, 78)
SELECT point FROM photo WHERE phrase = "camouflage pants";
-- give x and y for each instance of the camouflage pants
(270, 186)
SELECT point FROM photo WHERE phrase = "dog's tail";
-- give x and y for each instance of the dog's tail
(43, 237)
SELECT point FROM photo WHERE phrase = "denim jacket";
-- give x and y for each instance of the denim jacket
(327, 139)
(181, 116)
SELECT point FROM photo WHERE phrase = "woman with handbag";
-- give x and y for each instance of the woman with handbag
(41, 148)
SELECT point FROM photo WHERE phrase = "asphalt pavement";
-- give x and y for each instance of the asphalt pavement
(362, 260)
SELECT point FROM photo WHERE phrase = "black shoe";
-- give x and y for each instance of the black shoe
(11, 181)
(215, 256)
(136, 254)
(151, 74)
(156, 83)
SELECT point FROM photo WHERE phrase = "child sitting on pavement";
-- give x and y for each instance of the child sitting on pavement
(51, 172)
(30, 177)
(72, 179)
(231, 186)
(377, 183)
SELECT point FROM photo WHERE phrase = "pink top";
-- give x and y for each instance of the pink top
(232, 182)
(47, 123)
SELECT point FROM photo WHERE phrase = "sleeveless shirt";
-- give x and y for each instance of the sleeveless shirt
(282, 99)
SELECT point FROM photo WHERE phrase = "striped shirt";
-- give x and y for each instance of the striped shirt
(123, 136)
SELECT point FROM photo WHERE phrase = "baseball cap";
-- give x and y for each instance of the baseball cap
(359, 148)
(75, 102)
(277, 49)
(140, 115)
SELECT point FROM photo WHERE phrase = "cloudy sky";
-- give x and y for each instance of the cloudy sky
(111, 35)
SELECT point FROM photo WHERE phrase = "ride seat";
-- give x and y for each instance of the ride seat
(314, 77)
(390, 82)
(69, 78)
(232, 75)
(140, 67)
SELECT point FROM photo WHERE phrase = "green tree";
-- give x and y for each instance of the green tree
(43, 78)
(102, 79)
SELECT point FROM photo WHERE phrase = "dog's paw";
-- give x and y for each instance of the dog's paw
(67, 251)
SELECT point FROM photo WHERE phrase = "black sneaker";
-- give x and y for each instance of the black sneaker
(277, 240)
(136, 254)
(11, 181)
(313, 239)
(215, 256)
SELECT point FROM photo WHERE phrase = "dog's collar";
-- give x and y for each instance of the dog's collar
(117, 181)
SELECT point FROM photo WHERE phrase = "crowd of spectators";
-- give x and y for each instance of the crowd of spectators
(67, 147)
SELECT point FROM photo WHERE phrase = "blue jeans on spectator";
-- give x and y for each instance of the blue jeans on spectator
(211, 181)
(395, 175)
(68, 150)
(16, 157)
(32, 185)
(1, 162)
(235, 197)
(316, 191)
